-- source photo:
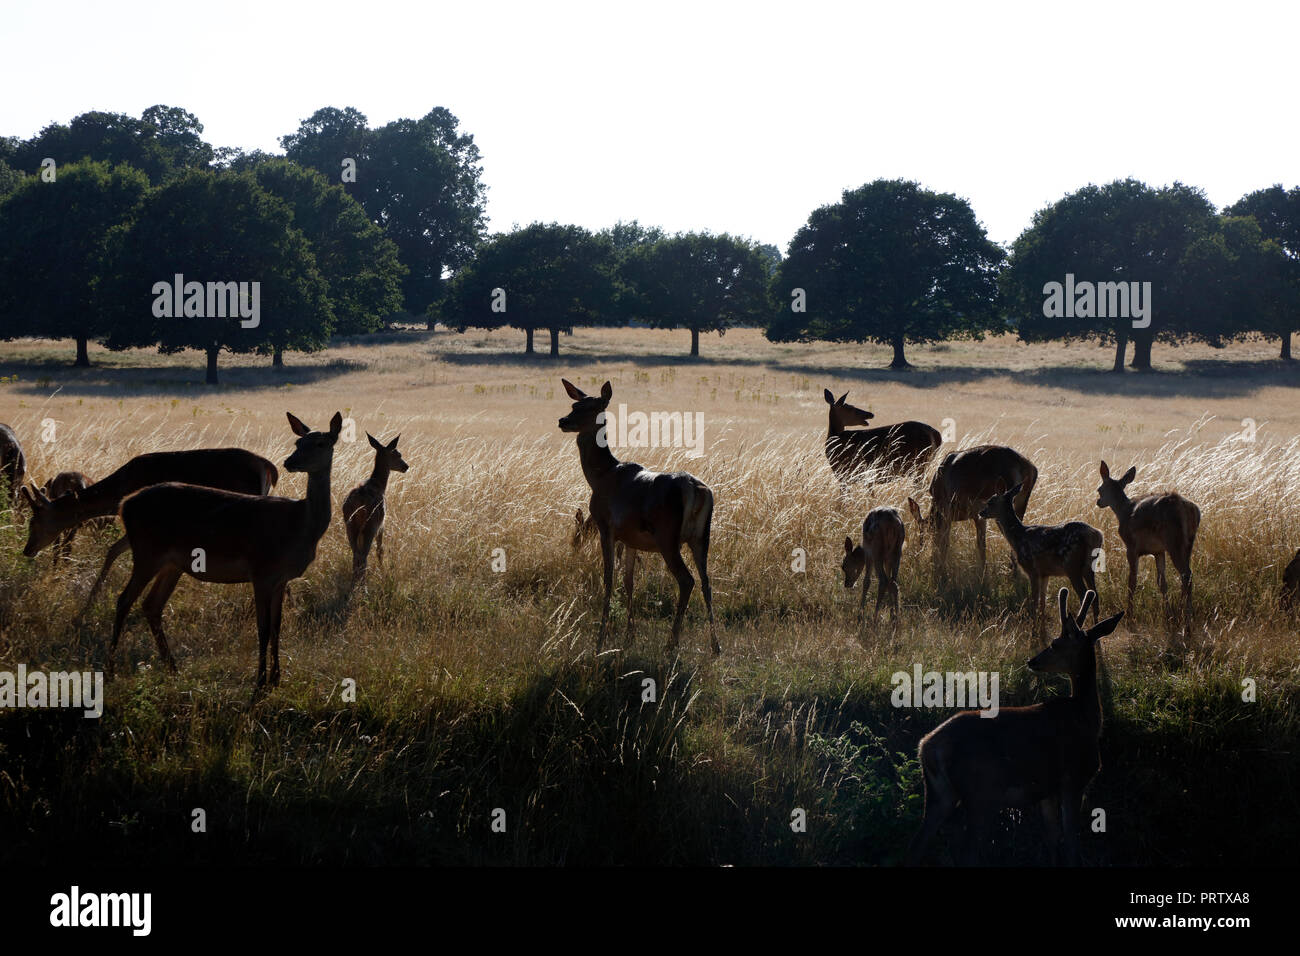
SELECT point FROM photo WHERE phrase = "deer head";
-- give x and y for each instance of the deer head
(388, 454)
(582, 418)
(843, 415)
(1001, 507)
(854, 563)
(1110, 493)
(45, 524)
(1069, 653)
(313, 451)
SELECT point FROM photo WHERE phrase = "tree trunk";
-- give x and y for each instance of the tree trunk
(1121, 347)
(1286, 346)
(277, 358)
(900, 360)
(83, 356)
(212, 365)
(555, 343)
(1142, 352)
(528, 349)
(695, 342)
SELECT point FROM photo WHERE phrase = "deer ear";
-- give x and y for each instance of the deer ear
(1129, 475)
(841, 399)
(607, 391)
(848, 545)
(829, 396)
(374, 443)
(298, 427)
(1063, 601)
(1016, 490)
(392, 445)
(26, 495)
(575, 393)
(1105, 470)
(1098, 631)
(336, 424)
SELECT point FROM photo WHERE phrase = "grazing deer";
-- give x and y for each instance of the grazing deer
(1291, 582)
(363, 508)
(645, 510)
(65, 482)
(1043, 754)
(1043, 551)
(229, 538)
(13, 466)
(882, 548)
(230, 469)
(893, 449)
(1155, 524)
(960, 489)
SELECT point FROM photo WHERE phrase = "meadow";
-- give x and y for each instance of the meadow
(479, 686)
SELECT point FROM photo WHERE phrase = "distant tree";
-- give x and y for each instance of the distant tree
(543, 276)
(164, 142)
(697, 281)
(214, 227)
(10, 178)
(890, 263)
(1123, 232)
(54, 237)
(772, 255)
(1277, 210)
(360, 266)
(237, 160)
(626, 236)
(418, 180)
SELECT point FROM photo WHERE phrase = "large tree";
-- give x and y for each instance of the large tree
(164, 142)
(418, 180)
(697, 281)
(218, 228)
(1124, 232)
(890, 263)
(1277, 210)
(54, 238)
(543, 276)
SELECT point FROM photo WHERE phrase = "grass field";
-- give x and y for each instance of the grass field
(479, 689)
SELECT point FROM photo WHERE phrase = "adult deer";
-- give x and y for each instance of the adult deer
(892, 449)
(1155, 524)
(883, 534)
(230, 469)
(645, 510)
(1291, 583)
(1044, 754)
(960, 489)
(363, 508)
(229, 538)
(64, 483)
(13, 465)
(1043, 551)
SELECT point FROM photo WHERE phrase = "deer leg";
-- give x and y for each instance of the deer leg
(277, 605)
(700, 555)
(379, 545)
(607, 555)
(629, 570)
(262, 602)
(882, 588)
(940, 801)
(154, 602)
(114, 551)
(141, 574)
(1070, 803)
(1184, 566)
(1051, 810)
(980, 526)
(1132, 583)
(685, 583)
(862, 598)
(975, 833)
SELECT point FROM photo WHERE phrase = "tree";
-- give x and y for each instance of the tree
(164, 142)
(54, 237)
(360, 266)
(418, 180)
(543, 276)
(1277, 211)
(1124, 232)
(890, 263)
(218, 232)
(697, 281)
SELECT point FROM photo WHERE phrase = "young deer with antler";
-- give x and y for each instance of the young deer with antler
(960, 489)
(230, 469)
(645, 510)
(893, 449)
(1044, 754)
(883, 534)
(64, 483)
(363, 508)
(228, 538)
(1155, 524)
(1045, 551)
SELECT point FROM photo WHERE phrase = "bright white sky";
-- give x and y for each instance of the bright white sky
(737, 117)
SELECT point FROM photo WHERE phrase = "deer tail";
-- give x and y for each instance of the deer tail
(697, 511)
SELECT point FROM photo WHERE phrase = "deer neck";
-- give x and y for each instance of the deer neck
(1012, 527)
(836, 426)
(99, 500)
(318, 501)
(1083, 689)
(597, 460)
(378, 479)
(1123, 508)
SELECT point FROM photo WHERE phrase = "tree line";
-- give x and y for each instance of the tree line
(116, 229)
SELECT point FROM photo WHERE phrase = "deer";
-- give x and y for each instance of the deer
(642, 509)
(230, 469)
(1045, 754)
(585, 530)
(1291, 583)
(898, 449)
(65, 482)
(1155, 524)
(1043, 551)
(883, 534)
(363, 508)
(962, 486)
(259, 539)
(13, 465)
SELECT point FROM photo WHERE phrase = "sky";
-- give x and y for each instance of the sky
(727, 117)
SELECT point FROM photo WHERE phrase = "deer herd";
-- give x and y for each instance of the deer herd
(209, 513)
